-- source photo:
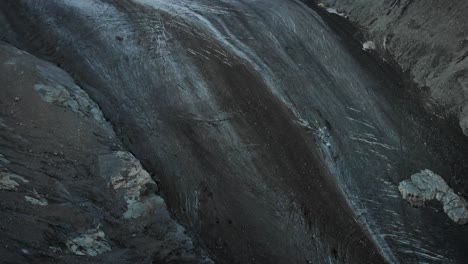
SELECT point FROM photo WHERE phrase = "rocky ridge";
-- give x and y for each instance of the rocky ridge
(68, 189)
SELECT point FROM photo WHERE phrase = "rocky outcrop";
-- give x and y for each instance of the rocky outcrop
(92, 243)
(36, 199)
(69, 193)
(427, 39)
(128, 177)
(135, 185)
(71, 97)
(426, 186)
(9, 181)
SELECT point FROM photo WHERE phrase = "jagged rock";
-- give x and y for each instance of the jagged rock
(333, 10)
(128, 176)
(425, 186)
(4, 160)
(71, 97)
(37, 199)
(9, 181)
(92, 243)
(137, 188)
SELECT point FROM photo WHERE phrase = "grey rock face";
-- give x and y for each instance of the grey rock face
(425, 186)
(128, 177)
(137, 188)
(429, 40)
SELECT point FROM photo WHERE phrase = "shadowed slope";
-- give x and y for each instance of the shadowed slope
(272, 141)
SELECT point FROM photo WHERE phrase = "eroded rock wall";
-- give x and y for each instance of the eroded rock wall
(429, 39)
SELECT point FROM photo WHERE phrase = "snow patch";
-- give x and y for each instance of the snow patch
(71, 97)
